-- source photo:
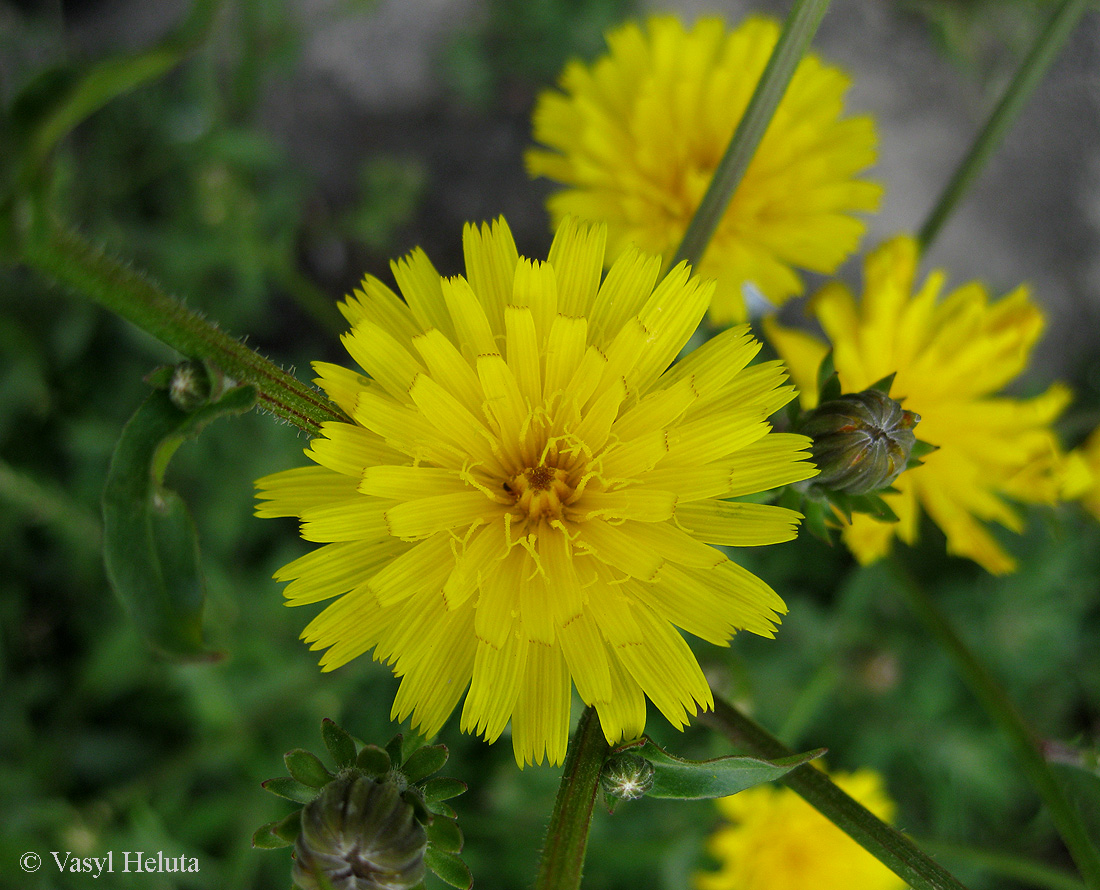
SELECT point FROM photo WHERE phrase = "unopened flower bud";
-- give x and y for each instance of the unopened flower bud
(862, 441)
(360, 834)
(627, 776)
(190, 386)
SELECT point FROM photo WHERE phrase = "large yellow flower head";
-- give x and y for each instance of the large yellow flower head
(951, 358)
(777, 841)
(636, 137)
(528, 493)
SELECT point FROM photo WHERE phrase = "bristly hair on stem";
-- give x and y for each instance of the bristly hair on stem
(563, 854)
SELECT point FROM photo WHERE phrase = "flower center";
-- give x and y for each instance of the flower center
(540, 491)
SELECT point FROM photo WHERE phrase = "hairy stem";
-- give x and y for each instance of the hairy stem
(889, 846)
(567, 837)
(68, 258)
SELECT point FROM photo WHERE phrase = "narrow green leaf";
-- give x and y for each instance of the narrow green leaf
(49, 108)
(307, 768)
(340, 744)
(828, 381)
(442, 788)
(449, 868)
(873, 505)
(373, 761)
(721, 777)
(439, 808)
(280, 833)
(444, 834)
(265, 838)
(883, 385)
(394, 748)
(424, 761)
(150, 546)
(291, 789)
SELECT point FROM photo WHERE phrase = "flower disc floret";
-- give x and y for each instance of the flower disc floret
(951, 357)
(636, 136)
(527, 495)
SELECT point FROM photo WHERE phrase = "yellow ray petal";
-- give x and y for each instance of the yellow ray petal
(291, 492)
(540, 720)
(737, 525)
(426, 516)
(419, 283)
(491, 260)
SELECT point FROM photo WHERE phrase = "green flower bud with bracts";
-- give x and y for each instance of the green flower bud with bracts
(627, 776)
(861, 441)
(359, 833)
(373, 824)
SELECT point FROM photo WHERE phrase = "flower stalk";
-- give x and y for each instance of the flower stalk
(70, 259)
(562, 859)
(1033, 69)
(798, 32)
(1005, 714)
(889, 846)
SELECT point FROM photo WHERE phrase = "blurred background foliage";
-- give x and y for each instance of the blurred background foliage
(103, 746)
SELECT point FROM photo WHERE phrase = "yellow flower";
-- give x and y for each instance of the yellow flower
(777, 841)
(636, 138)
(528, 493)
(1081, 474)
(951, 357)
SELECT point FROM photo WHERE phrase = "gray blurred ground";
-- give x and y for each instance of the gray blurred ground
(370, 83)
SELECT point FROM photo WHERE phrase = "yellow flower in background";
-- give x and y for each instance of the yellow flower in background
(1081, 476)
(528, 493)
(951, 357)
(635, 138)
(774, 840)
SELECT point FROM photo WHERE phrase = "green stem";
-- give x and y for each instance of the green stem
(71, 260)
(1034, 874)
(794, 41)
(567, 837)
(1032, 70)
(889, 846)
(1003, 712)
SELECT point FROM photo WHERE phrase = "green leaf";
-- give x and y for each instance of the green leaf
(449, 868)
(440, 808)
(291, 789)
(700, 779)
(442, 788)
(444, 834)
(828, 381)
(150, 546)
(265, 838)
(280, 833)
(53, 104)
(307, 768)
(883, 385)
(921, 449)
(873, 505)
(373, 761)
(393, 750)
(424, 761)
(340, 744)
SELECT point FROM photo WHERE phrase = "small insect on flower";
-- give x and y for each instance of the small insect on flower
(527, 494)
